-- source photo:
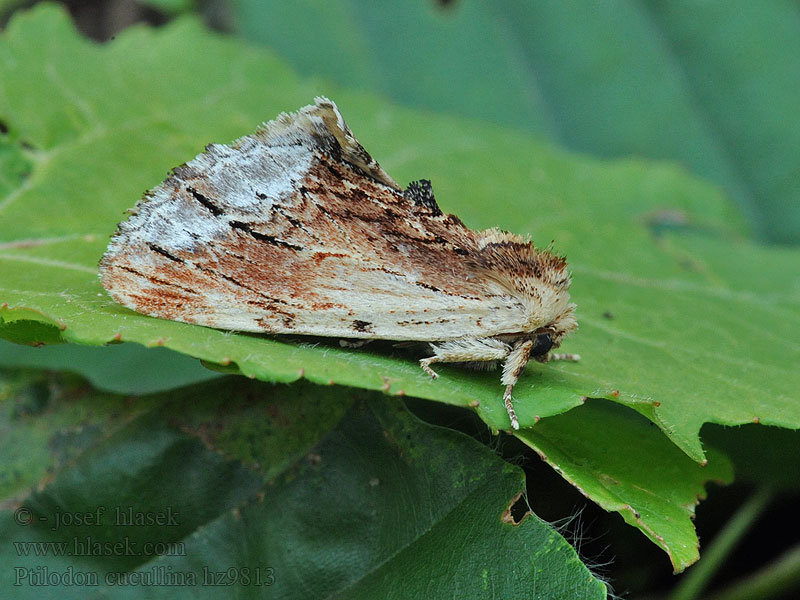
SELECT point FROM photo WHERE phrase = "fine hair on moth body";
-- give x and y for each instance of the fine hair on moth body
(296, 229)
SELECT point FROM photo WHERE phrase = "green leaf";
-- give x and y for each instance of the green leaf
(30, 333)
(711, 85)
(662, 278)
(46, 422)
(14, 166)
(619, 460)
(118, 368)
(355, 502)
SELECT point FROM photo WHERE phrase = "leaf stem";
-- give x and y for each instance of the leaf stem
(778, 577)
(720, 548)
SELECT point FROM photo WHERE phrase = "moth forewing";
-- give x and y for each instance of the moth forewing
(296, 229)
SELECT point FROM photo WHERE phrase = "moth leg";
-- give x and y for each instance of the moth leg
(560, 356)
(353, 343)
(470, 350)
(512, 369)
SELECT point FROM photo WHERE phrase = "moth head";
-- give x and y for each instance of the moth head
(542, 343)
(549, 337)
(550, 314)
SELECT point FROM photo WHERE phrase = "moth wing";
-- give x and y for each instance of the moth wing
(297, 229)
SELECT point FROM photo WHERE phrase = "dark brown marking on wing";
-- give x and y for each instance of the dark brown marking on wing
(205, 201)
(428, 286)
(286, 318)
(334, 220)
(154, 279)
(362, 326)
(262, 237)
(218, 273)
(295, 222)
(333, 171)
(162, 252)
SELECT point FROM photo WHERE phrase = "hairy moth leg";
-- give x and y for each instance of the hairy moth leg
(468, 350)
(515, 363)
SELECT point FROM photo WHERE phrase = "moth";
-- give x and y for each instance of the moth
(296, 229)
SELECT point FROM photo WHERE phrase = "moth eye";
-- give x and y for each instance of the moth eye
(543, 344)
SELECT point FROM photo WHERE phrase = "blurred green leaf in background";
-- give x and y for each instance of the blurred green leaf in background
(711, 85)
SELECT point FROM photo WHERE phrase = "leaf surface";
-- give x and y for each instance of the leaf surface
(353, 499)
